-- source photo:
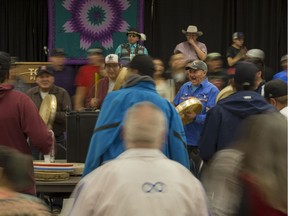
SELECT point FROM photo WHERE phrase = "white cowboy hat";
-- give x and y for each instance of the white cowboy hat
(143, 37)
(192, 29)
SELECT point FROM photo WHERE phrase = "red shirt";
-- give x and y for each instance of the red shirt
(86, 76)
(102, 90)
(256, 202)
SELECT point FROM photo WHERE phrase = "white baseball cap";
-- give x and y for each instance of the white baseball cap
(111, 59)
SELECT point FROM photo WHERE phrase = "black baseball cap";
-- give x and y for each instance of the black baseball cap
(245, 73)
(143, 63)
(44, 69)
(275, 88)
(238, 35)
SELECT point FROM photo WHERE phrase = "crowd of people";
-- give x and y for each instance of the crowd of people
(228, 159)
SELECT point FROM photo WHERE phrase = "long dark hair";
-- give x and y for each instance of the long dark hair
(5, 61)
(16, 168)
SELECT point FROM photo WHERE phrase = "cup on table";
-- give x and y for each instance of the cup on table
(49, 159)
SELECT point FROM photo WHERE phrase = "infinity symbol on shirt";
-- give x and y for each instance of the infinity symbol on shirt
(148, 187)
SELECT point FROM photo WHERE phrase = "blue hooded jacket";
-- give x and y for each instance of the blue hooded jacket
(223, 120)
(107, 143)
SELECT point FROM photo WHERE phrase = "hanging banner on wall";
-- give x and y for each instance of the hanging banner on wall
(79, 25)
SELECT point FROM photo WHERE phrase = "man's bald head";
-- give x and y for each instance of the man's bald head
(144, 126)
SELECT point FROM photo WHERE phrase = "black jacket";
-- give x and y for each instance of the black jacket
(223, 120)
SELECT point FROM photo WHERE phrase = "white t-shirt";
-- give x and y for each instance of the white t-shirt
(43, 94)
(284, 111)
(111, 85)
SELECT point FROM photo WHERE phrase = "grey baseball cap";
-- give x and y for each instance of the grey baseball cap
(197, 65)
(213, 56)
(256, 53)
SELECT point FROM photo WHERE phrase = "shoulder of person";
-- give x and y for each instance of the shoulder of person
(141, 46)
(32, 90)
(200, 43)
(183, 43)
(61, 89)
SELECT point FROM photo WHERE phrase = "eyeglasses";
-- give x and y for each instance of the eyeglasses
(132, 35)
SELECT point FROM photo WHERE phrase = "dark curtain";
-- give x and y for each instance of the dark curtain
(23, 28)
(264, 23)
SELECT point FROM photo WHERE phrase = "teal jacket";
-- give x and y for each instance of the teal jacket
(107, 143)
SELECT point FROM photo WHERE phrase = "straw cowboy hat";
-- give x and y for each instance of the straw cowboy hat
(192, 29)
(225, 92)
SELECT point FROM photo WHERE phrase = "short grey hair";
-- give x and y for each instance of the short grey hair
(145, 123)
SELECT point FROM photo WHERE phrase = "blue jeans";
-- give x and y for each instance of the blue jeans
(195, 160)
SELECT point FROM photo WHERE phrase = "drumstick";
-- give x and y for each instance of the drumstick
(52, 150)
(96, 82)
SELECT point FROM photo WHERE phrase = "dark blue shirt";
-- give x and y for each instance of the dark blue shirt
(206, 92)
(65, 79)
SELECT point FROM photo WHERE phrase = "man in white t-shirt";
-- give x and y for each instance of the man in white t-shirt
(45, 85)
(142, 180)
(106, 84)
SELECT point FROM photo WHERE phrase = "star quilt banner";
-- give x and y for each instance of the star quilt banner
(79, 25)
